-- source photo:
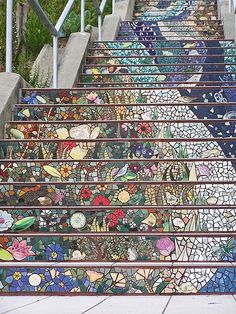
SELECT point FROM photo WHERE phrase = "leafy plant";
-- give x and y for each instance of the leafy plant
(37, 78)
(72, 23)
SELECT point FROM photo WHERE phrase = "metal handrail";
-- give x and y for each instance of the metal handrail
(232, 6)
(99, 9)
(53, 30)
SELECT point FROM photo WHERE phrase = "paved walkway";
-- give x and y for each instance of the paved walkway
(117, 305)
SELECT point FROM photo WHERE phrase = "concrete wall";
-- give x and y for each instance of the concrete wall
(110, 28)
(43, 64)
(227, 18)
(72, 59)
(123, 11)
(10, 84)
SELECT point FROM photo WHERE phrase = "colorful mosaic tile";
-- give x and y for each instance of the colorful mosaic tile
(119, 193)
(119, 220)
(113, 129)
(126, 248)
(117, 170)
(118, 280)
(120, 112)
(143, 179)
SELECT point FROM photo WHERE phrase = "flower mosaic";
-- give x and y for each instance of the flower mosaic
(148, 220)
(142, 129)
(142, 171)
(115, 280)
(118, 248)
(138, 170)
(119, 193)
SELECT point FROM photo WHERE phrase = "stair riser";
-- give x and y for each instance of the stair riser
(115, 149)
(126, 248)
(117, 193)
(155, 8)
(160, 59)
(169, 26)
(190, 21)
(154, 30)
(134, 83)
(105, 112)
(185, 70)
(159, 52)
(179, 16)
(193, 44)
(145, 220)
(120, 130)
(133, 95)
(192, 25)
(168, 36)
(169, 16)
(205, 12)
(165, 33)
(115, 280)
(72, 171)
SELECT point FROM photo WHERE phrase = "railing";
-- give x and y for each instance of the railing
(55, 31)
(232, 6)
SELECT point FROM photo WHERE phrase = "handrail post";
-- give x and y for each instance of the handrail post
(113, 6)
(99, 27)
(9, 36)
(55, 61)
(82, 17)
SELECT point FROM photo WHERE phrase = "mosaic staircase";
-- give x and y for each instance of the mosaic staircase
(126, 184)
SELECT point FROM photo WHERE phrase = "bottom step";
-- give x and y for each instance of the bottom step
(117, 279)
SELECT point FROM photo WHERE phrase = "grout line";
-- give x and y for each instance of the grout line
(165, 308)
(20, 307)
(86, 311)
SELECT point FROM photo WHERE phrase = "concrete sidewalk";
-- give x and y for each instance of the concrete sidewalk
(216, 304)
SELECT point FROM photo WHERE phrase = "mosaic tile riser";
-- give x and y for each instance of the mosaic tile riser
(166, 44)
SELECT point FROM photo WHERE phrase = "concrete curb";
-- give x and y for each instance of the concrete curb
(227, 18)
(110, 28)
(9, 94)
(72, 59)
(124, 9)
